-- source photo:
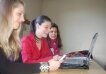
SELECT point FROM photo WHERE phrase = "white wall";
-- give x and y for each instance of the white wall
(78, 20)
(33, 8)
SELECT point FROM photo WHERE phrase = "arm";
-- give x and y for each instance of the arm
(11, 67)
(20, 68)
(7, 67)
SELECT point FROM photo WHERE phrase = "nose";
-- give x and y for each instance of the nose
(53, 32)
(22, 19)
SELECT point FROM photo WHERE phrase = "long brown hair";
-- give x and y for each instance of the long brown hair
(58, 36)
(9, 38)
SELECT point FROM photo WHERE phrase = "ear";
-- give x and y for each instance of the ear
(37, 26)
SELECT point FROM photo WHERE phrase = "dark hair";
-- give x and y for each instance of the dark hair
(58, 36)
(39, 20)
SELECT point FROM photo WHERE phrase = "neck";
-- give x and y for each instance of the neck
(37, 38)
(37, 35)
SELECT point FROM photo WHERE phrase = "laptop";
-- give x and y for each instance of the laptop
(79, 61)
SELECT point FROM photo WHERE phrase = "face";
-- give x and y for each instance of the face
(53, 33)
(44, 28)
(18, 16)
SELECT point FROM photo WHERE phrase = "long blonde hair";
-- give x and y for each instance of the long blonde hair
(9, 37)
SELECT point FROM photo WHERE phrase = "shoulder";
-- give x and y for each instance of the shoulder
(44, 39)
(27, 38)
(1, 51)
(2, 54)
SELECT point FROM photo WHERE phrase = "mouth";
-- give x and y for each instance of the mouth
(53, 36)
(46, 33)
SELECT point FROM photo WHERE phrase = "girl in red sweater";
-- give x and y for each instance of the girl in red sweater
(34, 45)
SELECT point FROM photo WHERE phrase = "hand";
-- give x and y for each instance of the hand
(54, 65)
(57, 57)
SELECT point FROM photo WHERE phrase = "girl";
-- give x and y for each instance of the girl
(54, 40)
(34, 45)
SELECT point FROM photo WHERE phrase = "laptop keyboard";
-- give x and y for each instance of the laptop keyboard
(76, 62)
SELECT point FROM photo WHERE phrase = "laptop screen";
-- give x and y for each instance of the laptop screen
(92, 44)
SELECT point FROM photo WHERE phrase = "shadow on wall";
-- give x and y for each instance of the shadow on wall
(102, 65)
(105, 67)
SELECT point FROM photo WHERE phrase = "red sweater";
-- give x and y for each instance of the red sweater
(31, 53)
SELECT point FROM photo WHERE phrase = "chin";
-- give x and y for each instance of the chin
(15, 28)
(52, 38)
(45, 36)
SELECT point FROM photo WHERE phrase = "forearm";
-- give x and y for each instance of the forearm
(20, 68)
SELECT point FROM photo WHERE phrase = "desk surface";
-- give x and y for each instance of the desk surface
(94, 68)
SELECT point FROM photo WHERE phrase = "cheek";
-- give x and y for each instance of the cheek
(42, 31)
(45, 30)
(16, 23)
(56, 34)
(16, 19)
(51, 35)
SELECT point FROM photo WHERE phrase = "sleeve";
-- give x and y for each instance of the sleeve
(7, 67)
(20, 68)
(26, 57)
(26, 51)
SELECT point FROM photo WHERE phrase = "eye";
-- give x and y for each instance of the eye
(51, 31)
(19, 14)
(46, 27)
(55, 31)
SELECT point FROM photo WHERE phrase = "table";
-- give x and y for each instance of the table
(94, 68)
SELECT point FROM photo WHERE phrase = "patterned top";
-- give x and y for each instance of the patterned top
(54, 47)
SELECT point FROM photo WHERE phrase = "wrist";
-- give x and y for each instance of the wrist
(44, 67)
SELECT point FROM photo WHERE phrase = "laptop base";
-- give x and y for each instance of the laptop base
(73, 66)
